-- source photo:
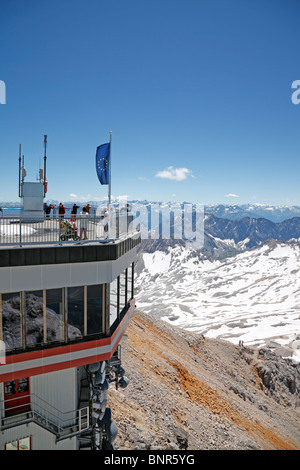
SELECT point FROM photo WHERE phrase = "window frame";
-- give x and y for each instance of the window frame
(105, 330)
(18, 443)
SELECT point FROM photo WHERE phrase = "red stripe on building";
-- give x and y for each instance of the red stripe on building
(111, 342)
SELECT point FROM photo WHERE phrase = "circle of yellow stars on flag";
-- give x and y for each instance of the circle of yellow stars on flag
(104, 163)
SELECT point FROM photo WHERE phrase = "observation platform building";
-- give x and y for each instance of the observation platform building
(65, 304)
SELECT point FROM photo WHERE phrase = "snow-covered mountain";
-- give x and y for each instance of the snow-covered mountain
(242, 284)
(252, 297)
(251, 231)
(238, 211)
(224, 237)
(155, 220)
(274, 213)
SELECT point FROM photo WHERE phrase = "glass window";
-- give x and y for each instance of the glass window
(23, 385)
(11, 320)
(122, 290)
(10, 388)
(21, 444)
(129, 283)
(11, 445)
(113, 301)
(75, 312)
(34, 318)
(16, 396)
(94, 309)
(24, 444)
(54, 315)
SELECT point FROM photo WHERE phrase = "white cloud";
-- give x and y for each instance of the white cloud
(73, 196)
(231, 195)
(176, 174)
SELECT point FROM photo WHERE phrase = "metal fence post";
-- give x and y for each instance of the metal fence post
(20, 232)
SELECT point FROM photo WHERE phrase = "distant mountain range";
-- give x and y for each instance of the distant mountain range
(274, 213)
(238, 211)
(228, 236)
(251, 231)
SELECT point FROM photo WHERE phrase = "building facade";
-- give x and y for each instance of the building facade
(64, 308)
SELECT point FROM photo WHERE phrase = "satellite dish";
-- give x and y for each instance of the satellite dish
(103, 405)
(123, 382)
(110, 426)
(100, 377)
(102, 395)
(107, 417)
(94, 367)
(113, 431)
(121, 371)
(104, 386)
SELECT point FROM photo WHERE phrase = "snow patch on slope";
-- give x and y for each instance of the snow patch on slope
(252, 297)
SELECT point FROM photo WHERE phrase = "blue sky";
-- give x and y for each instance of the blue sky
(197, 94)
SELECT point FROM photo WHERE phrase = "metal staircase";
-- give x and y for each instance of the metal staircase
(91, 422)
(62, 424)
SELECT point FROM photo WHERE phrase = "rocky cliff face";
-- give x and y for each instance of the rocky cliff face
(191, 392)
(251, 229)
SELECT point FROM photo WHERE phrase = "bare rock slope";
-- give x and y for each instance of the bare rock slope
(196, 393)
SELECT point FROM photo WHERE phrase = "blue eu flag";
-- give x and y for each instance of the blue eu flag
(102, 163)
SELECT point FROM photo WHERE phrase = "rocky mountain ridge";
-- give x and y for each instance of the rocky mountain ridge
(275, 213)
(225, 237)
(190, 392)
(253, 230)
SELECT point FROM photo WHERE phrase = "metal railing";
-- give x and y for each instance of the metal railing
(58, 230)
(62, 424)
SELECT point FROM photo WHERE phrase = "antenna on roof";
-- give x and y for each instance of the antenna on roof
(22, 172)
(19, 170)
(45, 158)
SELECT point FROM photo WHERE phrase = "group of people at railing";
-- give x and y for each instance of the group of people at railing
(71, 223)
(61, 210)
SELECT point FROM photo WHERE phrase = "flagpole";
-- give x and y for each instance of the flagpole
(109, 177)
(109, 187)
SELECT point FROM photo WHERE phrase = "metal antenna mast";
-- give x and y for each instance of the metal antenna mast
(19, 170)
(45, 158)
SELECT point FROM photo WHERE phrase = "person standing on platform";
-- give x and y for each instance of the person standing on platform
(83, 224)
(88, 207)
(61, 210)
(74, 211)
